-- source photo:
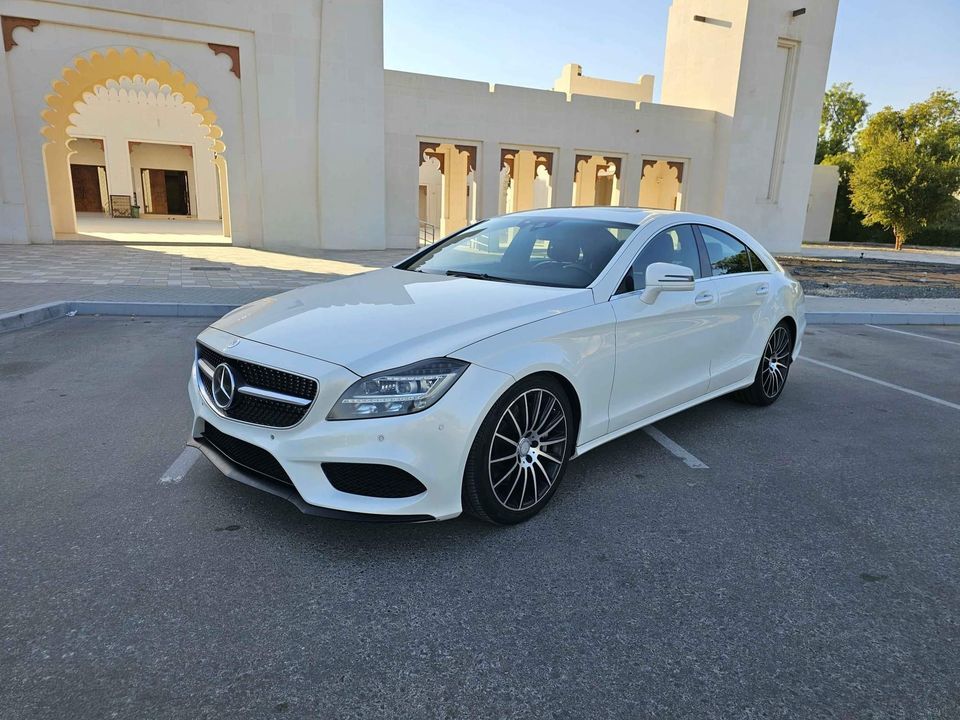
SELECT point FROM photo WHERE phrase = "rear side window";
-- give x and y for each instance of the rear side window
(727, 254)
(756, 264)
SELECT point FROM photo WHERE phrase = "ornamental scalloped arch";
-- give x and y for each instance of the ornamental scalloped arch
(82, 76)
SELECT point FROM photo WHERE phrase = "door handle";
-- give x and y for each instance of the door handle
(763, 290)
(704, 298)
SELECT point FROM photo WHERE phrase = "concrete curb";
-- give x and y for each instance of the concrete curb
(882, 318)
(19, 319)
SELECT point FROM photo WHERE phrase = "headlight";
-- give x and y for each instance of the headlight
(401, 391)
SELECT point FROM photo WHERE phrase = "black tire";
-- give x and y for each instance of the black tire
(537, 410)
(773, 369)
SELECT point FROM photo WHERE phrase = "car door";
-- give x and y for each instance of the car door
(662, 349)
(742, 285)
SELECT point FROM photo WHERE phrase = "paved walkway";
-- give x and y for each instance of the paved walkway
(947, 256)
(35, 274)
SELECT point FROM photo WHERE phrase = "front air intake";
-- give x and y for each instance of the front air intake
(245, 454)
(383, 481)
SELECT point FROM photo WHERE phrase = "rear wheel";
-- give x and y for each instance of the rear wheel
(771, 376)
(520, 453)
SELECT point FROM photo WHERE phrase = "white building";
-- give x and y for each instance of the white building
(279, 121)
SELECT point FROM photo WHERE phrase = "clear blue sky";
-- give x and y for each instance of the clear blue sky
(896, 52)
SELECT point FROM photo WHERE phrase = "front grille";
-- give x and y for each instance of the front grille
(384, 481)
(257, 410)
(243, 453)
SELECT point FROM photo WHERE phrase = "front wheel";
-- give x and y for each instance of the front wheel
(520, 453)
(771, 376)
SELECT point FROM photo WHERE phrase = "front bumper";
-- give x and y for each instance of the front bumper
(431, 445)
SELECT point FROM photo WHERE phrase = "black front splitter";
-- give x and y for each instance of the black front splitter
(289, 493)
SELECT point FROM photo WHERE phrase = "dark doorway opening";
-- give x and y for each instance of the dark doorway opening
(87, 196)
(166, 192)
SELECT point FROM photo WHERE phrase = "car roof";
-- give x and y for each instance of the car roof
(594, 212)
(634, 215)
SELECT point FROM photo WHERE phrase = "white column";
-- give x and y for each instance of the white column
(13, 215)
(630, 173)
(206, 181)
(116, 154)
(489, 205)
(564, 170)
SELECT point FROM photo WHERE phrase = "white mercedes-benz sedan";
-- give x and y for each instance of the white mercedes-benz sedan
(466, 377)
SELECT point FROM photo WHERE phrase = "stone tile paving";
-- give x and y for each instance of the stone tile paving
(183, 266)
(35, 274)
(18, 296)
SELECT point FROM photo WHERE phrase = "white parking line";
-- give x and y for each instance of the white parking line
(917, 335)
(181, 466)
(884, 383)
(675, 449)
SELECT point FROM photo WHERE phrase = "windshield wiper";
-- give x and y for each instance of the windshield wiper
(498, 278)
(477, 276)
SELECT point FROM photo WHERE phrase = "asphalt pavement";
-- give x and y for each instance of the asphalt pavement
(811, 570)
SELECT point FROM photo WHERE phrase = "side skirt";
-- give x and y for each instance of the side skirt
(597, 442)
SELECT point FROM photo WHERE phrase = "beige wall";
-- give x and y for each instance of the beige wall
(767, 123)
(505, 116)
(272, 116)
(822, 200)
(68, 31)
(87, 152)
(572, 81)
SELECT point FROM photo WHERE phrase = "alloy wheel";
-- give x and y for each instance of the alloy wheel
(528, 449)
(776, 359)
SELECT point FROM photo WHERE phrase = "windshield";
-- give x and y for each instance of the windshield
(545, 250)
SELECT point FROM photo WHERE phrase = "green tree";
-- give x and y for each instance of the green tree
(842, 115)
(906, 167)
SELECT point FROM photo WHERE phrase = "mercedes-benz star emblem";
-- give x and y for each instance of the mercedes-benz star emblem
(223, 387)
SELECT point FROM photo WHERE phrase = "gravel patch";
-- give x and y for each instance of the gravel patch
(866, 278)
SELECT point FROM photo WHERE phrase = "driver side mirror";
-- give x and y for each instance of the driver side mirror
(666, 277)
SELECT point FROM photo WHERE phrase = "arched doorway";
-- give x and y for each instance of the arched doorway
(138, 78)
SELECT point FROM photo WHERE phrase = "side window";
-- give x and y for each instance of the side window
(756, 264)
(678, 246)
(727, 254)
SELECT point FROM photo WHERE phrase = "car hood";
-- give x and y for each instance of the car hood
(390, 318)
